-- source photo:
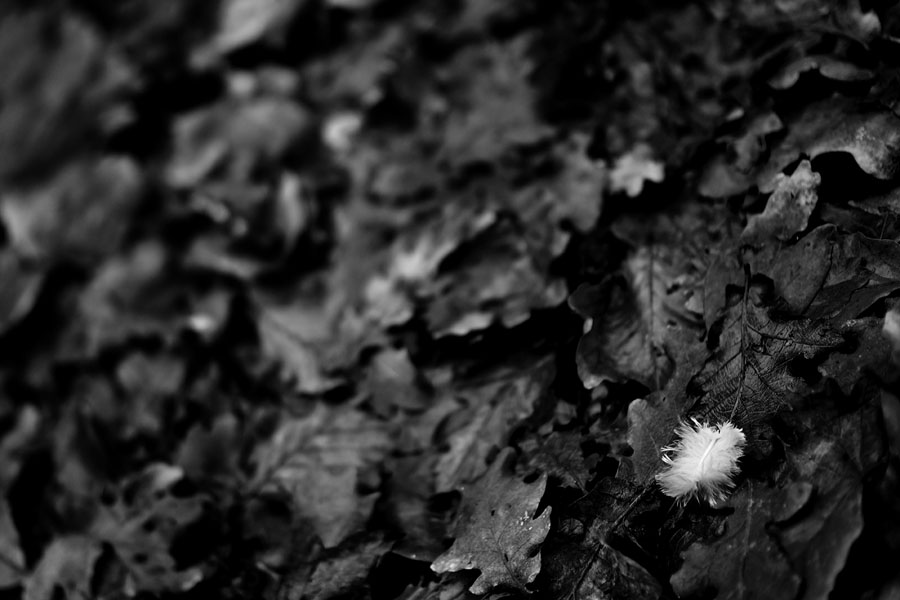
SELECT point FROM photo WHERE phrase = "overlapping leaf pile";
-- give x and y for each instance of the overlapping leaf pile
(316, 299)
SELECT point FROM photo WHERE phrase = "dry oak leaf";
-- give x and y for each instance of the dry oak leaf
(837, 124)
(498, 530)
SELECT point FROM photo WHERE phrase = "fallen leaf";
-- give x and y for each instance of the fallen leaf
(21, 286)
(499, 530)
(652, 420)
(828, 66)
(837, 451)
(67, 564)
(789, 207)
(616, 347)
(731, 172)
(320, 461)
(345, 572)
(838, 124)
(210, 452)
(495, 409)
(57, 96)
(748, 376)
(632, 170)
(490, 115)
(142, 525)
(499, 277)
(12, 561)
(662, 294)
(579, 562)
(560, 456)
(81, 214)
(234, 137)
(244, 22)
(291, 334)
(745, 561)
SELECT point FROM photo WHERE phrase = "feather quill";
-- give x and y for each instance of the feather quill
(702, 462)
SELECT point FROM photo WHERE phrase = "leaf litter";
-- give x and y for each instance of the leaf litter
(381, 300)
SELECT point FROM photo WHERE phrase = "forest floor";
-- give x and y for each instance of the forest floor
(379, 299)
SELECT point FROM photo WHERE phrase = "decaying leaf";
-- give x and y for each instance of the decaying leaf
(749, 377)
(499, 530)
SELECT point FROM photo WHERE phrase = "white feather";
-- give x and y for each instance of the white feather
(702, 463)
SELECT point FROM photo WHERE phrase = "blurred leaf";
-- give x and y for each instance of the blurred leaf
(21, 286)
(234, 137)
(344, 572)
(82, 213)
(499, 530)
(828, 66)
(56, 95)
(731, 172)
(68, 565)
(211, 452)
(291, 335)
(142, 525)
(321, 461)
(243, 22)
(494, 409)
(12, 561)
(631, 170)
(493, 114)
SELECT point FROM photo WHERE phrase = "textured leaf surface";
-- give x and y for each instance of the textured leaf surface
(748, 376)
(617, 346)
(499, 530)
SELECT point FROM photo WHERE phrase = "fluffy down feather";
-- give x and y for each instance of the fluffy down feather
(702, 463)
